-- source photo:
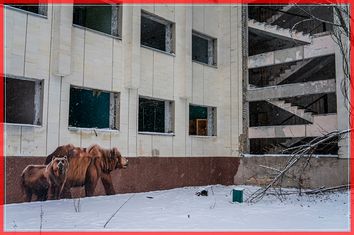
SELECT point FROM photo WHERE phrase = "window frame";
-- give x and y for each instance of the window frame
(38, 95)
(114, 110)
(119, 17)
(170, 27)
(212, 53)
(211, 120)
(169, 121)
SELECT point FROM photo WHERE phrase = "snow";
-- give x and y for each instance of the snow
(181, 210)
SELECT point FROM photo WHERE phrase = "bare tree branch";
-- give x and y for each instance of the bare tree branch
(298, 154)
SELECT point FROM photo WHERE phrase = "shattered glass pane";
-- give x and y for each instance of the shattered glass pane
(94, 17)
(30, 8)
(200, 49)
(153, 34)
(151, 115)
(89, 108)
(20, 101)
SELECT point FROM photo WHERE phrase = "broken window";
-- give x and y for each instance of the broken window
(155, 115)
(40, 9)
(103, 18)
(202, 120)
(23, 99)
(93, 109)
(203, 49)
(157, 33)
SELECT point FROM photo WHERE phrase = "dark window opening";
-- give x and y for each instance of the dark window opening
(93, 109)
(156, 33)
(202, 120)
(23, 100)
(102, 18)
(155, 116)
(203, 49)
(40, 9)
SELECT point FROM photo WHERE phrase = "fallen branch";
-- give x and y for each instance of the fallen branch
(297, 155)
(323, 189)
(313, 191)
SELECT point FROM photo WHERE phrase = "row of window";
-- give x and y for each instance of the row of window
(89, 108)
(156, 32)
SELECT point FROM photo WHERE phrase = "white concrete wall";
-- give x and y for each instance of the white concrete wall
(122, 65)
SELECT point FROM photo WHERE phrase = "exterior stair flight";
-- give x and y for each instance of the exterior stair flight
(279, 14)
(288, 72)
(278, 31)
(292, 109)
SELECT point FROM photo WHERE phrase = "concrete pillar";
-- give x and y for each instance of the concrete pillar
(131, 46)
(131, 71)
(60, 67)
(184, 51)
(244, 140)
(183, 77)
(62, 17)
(237, 72)
(343, 105)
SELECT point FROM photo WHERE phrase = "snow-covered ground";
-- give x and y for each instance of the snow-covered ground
(181, 210)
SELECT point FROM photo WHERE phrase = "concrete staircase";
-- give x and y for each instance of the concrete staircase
(279, 14)
(292, 109)
(288, 72)
(277, 31)
(320, 46)
(322, 124)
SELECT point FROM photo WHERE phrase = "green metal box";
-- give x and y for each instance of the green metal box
(237, 195)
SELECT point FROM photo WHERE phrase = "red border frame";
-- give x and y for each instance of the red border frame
(2, 165)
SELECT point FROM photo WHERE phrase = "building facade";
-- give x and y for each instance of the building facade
(191, 94)
(71, 59)
(155, 81)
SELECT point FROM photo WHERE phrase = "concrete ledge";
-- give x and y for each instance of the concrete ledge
(289, 155)
(319, 172)
(291, 90)
(320, 46)
(322, 124)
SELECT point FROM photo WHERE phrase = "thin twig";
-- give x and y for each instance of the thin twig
(41, 220)
(212, 191)
(76, 205)
(117, 211)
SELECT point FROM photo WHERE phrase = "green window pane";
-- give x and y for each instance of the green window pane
(94, 17)
(197, 112)
(89, 108)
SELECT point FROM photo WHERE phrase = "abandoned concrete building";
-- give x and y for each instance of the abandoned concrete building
(192, 95)
(293, 92)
